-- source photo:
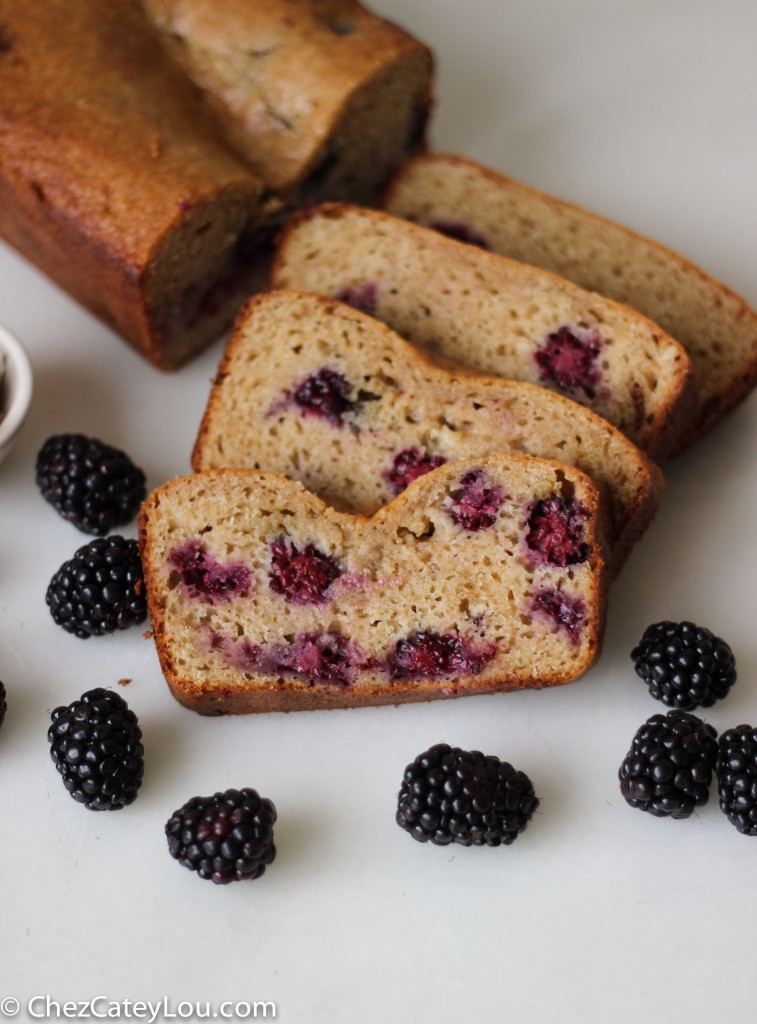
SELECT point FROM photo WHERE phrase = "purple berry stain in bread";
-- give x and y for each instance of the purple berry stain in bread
(324, 393)
(301, 576)
(461, 232)
(475, 501)
(204, 577)
(241, 654)
(555, 531)
(568, 359)
(429, 655)
(408, 465)
(566, 612)
(361, 297)
(319, 658)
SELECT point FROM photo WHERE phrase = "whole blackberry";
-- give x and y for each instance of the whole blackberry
(3, 702)
(92, 485)
(227, 837)
(685, 666)
(669, 768)
(737, 778)
(96, 744)
(101, 589)
(449, 795)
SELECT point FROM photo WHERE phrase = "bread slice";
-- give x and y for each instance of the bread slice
(324, 100)
(494, 315)
(473, 203)
(263, 598)
(315, 390)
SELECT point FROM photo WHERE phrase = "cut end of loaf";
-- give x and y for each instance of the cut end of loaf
(482, 576)
(494, 314)
(312, 389)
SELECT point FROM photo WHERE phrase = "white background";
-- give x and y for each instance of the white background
(645, 111)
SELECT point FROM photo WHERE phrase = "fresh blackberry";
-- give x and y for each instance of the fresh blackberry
(3, 702)
(96, 744)
(669, 768)
(737, 778)
(227, 837)
(685, 666)
(92, 485)
(101, 589)
(449, 795)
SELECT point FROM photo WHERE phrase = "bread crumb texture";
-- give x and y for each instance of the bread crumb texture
(483, 575)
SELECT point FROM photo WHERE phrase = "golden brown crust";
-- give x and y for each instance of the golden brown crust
(295, 84)
(322, 698)
(216, 691)
(105, 164)
(489, 311)
(716, 327)
(117, 180)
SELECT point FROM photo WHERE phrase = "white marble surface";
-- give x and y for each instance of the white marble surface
(643, 111)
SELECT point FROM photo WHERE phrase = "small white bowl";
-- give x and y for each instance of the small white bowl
(15, 389)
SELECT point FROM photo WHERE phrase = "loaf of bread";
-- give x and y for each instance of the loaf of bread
(475, 204)
(494, 315)
(114, 183)
(321, 97)
(317, 391)
(263, 598)
(146, 203)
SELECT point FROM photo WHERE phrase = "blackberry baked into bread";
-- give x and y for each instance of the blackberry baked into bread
(114, 183)
(475, 204)
(321, 97)
(317, 391)
(263, 598)
(494, 315)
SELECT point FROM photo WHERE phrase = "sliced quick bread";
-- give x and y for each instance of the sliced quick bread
(494, 315)
(263, 598)
(475, 204)
(317, 391)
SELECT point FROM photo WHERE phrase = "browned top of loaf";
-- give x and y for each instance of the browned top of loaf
(409, 568)
(279, 73)
(489, 312)
(717, 328)
(282, 337)
(96, 124)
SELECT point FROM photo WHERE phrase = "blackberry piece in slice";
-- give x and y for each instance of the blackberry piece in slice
(670, 765)
(100, 590)
(3, 702)
(449, 795)
(227, 837)
(737, 778)
(96, 745)
(685, 666)
(91, 484)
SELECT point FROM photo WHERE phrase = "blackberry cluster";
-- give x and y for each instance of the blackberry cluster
(449, 795)
(227, 837)
(96, 744)
(670, 765)
(685, 666)
(101, 589)
(92, 485)
(737, 778)
(3, 702)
